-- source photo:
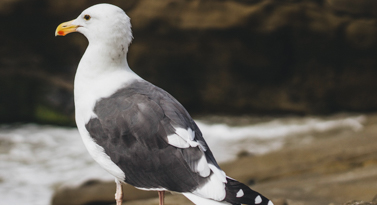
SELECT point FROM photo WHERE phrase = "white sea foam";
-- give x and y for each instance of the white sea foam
(226, 141)
(35, 159)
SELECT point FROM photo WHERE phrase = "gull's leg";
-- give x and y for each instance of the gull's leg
(119, 192)
(161, 196)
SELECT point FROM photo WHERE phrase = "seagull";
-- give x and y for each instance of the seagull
(135, 130)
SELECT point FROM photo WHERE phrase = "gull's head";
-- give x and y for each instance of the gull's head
(100, 23)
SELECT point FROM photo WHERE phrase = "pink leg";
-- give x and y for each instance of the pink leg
(161, 196)
(118, 193)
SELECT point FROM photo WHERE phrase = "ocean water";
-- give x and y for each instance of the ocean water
(36, 159)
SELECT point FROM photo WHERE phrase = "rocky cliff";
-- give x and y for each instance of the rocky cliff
(216, 56)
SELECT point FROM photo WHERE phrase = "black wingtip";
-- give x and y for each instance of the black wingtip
(238, 193)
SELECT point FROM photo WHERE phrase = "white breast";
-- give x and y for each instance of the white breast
(89, 89)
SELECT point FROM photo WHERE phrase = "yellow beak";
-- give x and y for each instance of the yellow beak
(65, 28)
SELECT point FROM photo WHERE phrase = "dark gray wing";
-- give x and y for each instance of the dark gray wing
(133, 126)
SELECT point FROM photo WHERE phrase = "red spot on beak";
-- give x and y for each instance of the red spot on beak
(61, 33)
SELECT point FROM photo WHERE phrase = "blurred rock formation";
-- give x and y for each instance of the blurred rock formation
(217, 56)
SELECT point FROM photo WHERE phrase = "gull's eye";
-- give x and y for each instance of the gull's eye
(87, 17)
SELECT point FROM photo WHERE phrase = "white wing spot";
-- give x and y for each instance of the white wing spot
(177, 141)
(240, 193)
(218, 172)
(202, 167)
(212, 189)
(258, 200)
(270, 203)
(183, 138)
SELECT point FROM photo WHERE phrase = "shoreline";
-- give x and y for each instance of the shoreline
(333, 168)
